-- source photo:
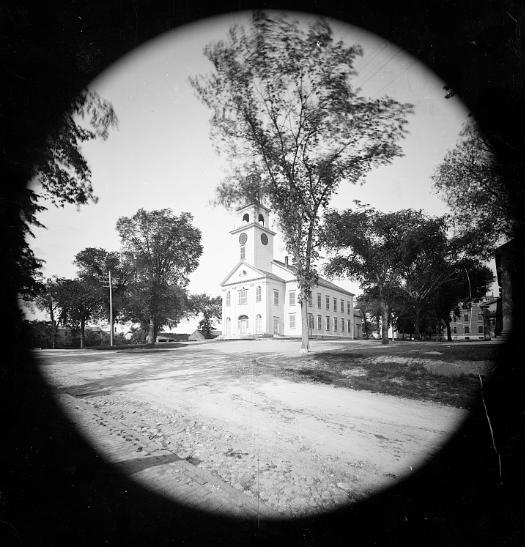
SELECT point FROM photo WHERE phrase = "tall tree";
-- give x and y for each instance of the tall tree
(433, 263)
(96, 265)
(371, 310)
(168, 302)
(404, 258)
(208, 308)
(283, 101)
(427, 264)
(79, 301)
(368, 248)
(48, 299)
(469, 181)
(469, 283)
(163, 249)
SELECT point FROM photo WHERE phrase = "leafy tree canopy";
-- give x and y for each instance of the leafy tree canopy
(469, 182)
(163, 249)
(61, 170)
(404, 259)
(97, 262)
(208, 308)
(283, 101)
(154, 306)
(162, 246)
(62, 175)
(95, 265)
(370, 247)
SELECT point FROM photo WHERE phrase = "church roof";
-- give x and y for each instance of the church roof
(321, 281)
(263, 273)
(253, 204)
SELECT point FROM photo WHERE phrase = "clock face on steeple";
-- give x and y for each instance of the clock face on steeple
(264, 239)
(243, 238)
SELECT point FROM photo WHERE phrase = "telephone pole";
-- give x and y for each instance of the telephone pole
(110, 308)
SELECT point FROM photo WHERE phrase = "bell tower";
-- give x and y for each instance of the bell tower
(253, 237)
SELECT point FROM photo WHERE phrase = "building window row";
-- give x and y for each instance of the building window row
(292, 299)
(466, 329)
(335, 305)
(243, 296)
(339, 325)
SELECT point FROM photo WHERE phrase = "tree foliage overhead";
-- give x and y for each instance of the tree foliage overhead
(282, 100)
(163, 250)
(62, 175)
(62, 171)
(469, 182)
(404, 259)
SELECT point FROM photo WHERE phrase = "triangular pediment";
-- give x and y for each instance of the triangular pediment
(243, 272)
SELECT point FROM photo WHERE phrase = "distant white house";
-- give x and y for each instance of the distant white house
(260, 296)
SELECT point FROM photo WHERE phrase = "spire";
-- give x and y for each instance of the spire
(253, 188)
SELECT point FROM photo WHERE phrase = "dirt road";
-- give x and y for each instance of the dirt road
(303, 448)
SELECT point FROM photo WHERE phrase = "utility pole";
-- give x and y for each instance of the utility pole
(110, 308)
(471, 305)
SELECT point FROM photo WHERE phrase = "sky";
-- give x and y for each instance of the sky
(161, 155)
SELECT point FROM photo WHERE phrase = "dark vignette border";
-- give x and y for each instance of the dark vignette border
(54, 490)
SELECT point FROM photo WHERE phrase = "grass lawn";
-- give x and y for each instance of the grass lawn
(444, 373)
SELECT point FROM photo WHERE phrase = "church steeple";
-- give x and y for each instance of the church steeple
(254, 241)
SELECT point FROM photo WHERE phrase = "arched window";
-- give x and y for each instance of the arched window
(246, 218)
(261, 219)
(258, 323)
(228, 326)
(243, 324)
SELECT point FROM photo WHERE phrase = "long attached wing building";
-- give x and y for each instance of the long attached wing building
(260, 296)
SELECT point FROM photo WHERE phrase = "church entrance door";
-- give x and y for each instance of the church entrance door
(243, 324)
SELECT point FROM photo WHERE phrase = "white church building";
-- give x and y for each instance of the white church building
(260, 296)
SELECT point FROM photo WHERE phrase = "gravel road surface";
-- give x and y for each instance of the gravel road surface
(301, 448)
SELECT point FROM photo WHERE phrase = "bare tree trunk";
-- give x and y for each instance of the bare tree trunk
(53, 328)
(82, 327)
(305, 338)
(150, 339)
(416, 326)
(384, 326)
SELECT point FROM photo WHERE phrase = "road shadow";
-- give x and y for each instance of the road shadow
(135, 465)
(188, 370)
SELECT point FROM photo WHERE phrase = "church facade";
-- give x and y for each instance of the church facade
(260, 296)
